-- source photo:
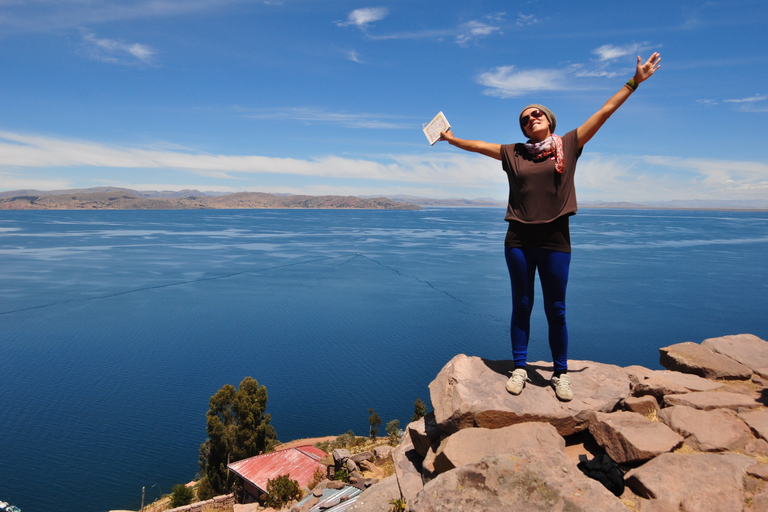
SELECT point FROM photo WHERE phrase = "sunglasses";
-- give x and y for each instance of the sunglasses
(527, 119)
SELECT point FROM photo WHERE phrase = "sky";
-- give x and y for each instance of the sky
(329, 97)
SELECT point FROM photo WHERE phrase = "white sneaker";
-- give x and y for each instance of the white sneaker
(516, 382)
(562, 385)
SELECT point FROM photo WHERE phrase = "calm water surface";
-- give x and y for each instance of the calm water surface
(116, 327)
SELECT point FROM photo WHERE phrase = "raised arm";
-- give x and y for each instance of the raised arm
(643, 72)
(475, 146)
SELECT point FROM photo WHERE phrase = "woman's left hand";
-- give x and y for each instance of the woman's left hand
(644, 71)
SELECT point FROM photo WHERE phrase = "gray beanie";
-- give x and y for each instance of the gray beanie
(550, 117)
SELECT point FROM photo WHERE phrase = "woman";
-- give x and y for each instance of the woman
(541, 199)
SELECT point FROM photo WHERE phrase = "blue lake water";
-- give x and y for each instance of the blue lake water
(116, 327)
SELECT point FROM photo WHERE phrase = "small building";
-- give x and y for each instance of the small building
(300, 463)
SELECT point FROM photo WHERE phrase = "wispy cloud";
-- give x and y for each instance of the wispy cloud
(22, 181)
(322, 116)
(477, 29)
(361, 18)
(661, 178)
(464, 34)
(511, 81)
(526, 19)
(751, 99)
(354, 56)
(609, 52)
(29, 151)
(116, 52)
(756, 103)
(31, 161)
(44, 15)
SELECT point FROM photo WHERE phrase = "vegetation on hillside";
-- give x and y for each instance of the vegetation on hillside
(238, 427)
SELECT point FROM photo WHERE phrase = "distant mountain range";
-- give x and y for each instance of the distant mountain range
(110, 198)
(113, 198)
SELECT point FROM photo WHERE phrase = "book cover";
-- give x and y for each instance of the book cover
(435, 126)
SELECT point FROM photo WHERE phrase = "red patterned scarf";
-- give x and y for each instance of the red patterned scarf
(551, 147)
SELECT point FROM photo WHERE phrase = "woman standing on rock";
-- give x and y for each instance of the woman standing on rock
(541, 199)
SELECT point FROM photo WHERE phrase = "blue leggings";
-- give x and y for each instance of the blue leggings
(553, 273)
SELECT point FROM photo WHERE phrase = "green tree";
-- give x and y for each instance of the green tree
(282, 490)
(419, 409)
(204, 490)
(181, 495)
(238, 427)
(375, 421)
(392, 429)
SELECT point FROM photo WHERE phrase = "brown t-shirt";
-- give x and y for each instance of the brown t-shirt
(540, 198)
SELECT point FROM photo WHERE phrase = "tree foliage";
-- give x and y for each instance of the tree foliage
(238, 427)
(282, 490)
(419, 409)
(375, 421)
(204, 490)
(393, 428)
(181, 495)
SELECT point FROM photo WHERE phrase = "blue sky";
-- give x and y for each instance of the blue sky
(328, 97)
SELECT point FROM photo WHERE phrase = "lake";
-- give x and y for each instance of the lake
(116, 327)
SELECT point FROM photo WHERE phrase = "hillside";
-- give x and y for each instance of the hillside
(125, 199)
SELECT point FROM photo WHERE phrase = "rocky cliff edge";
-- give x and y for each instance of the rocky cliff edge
(693, 437)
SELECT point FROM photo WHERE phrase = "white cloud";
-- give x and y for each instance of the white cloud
(13, 181)
(475, 30)
(661, 178)
(30, 161)
(361, 18)
(29, 151)
(117, 52)
(609, 52)
(321, 116)
(509, 82)
(751, 99)
(526, 19)
(46, 15)
(354, 57)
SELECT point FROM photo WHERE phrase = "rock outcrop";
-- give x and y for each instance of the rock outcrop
(693, 437)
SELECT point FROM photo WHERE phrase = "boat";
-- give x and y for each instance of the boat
(7, 507)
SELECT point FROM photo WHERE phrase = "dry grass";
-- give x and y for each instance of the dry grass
(684, 449)
(652, 415)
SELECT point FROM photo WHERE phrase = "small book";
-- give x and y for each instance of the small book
(435, 126)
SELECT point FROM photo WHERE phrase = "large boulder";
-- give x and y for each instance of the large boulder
(647, 405)
(470, 392)
(757, 421)
(705, 482)
(523, 482)
(707, 431)
(470, 445)
(665, 382)
(708, 400)
(377, 497)
(407, 469)
(746, 349)
(424, 432)
(689, 357)
(629, 437)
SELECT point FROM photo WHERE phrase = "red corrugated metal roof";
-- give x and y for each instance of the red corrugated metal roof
(312, 451)
(300, 463)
